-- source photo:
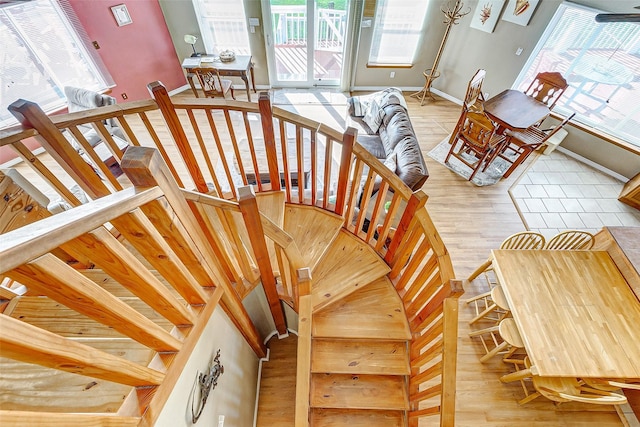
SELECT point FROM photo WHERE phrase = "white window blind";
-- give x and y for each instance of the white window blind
(601, 63)
(40, 54)
(223, 25)
(397, 31)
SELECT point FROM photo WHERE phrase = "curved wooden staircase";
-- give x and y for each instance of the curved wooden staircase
(377, 311)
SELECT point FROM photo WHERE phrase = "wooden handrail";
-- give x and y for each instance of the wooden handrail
(208, 200)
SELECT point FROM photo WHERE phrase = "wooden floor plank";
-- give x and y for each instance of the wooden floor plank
(358, 391)
(28, 387)
(373, 312)
(346, 266)
(360, 357)
(278, 384)
(55, 317)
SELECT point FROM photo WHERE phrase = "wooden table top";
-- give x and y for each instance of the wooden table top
(513, 109)
(241, 63)
(575, 312)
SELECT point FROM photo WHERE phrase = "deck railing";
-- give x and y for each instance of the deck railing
(219, 148)
(290, 26)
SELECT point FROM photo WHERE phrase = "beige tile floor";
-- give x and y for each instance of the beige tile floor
(559, 193)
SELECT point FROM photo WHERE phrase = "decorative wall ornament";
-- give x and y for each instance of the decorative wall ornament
(486, 15)
(121, 14)
(205, 382)
(520, 11)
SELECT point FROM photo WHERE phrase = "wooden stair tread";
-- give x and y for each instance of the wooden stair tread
(358, 391)
(52, 316)
(312, 229)
(373, 312)
(347, 265)
(321, 417)
(28, 387)
(360, 357)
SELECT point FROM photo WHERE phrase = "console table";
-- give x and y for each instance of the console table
(240, 67)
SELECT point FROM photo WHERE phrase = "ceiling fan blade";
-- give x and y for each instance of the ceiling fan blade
(618, 17)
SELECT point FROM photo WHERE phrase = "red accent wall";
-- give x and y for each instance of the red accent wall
(135, 54)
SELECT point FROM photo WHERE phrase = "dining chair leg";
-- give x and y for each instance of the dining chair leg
(501, 347)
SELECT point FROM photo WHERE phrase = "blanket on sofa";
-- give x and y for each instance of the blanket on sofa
(371, 107)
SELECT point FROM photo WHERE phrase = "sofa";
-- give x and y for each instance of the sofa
(79, 99)
(384, 130)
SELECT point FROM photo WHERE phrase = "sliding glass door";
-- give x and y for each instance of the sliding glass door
(305, 41)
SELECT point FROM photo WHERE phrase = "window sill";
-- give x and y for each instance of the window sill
(602, 135)
(389, 65)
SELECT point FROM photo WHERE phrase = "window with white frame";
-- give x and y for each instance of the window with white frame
(601, 63)
(40, 54)
(397, 31)
(223, 25)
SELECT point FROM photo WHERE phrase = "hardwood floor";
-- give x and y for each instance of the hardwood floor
(471, 220)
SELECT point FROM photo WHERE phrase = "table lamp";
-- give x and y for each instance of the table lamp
(189, 39)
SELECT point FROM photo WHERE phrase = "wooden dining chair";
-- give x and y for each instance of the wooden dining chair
(571, 240)
(492, 306)
(547, 87)
(525, 142)
(610, 385)
(479, 142)
(473, 100)
(562, 389)
(211, 83)
(502, 339)
(521, 240)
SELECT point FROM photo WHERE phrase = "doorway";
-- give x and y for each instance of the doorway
(305, 41)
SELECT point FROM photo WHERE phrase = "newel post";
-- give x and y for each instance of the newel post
(266, 116)
(30, 114)
(251, 216)
(348, 139)
(415, 203)
(161, 96)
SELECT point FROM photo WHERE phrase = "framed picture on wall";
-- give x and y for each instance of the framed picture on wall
(520, 11)
(486, 15)
(121, 14)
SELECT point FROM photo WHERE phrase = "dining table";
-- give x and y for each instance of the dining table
(513, 110)
(577, 315)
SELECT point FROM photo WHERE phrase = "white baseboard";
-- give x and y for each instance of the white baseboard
(446, 96)
(179, 90)
(378, 88)
(593, 164)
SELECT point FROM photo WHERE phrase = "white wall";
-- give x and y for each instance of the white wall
(235, 395)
